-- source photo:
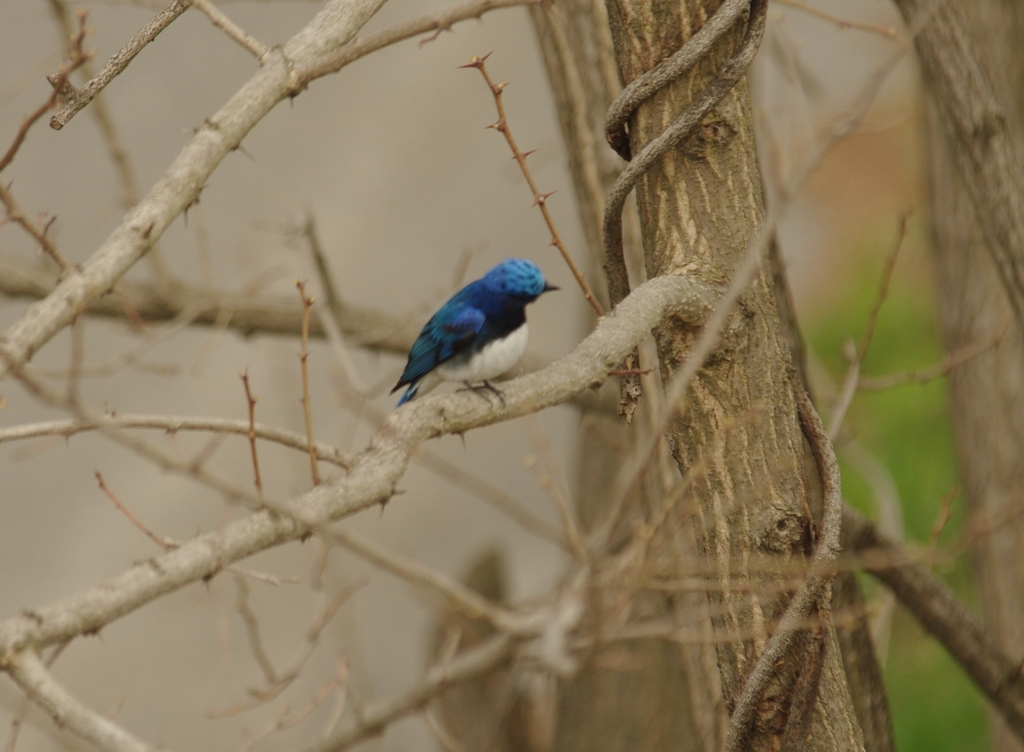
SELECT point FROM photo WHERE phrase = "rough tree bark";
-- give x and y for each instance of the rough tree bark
(699, 210)
(987, 392)
(670, 696)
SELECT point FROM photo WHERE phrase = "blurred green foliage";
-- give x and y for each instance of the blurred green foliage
(935, 706)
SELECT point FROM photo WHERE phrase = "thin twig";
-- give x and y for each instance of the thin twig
(286, 677)
(61, 81)
(307, 303)
(167, 461)
(251, 400)
(118, 152)
(233, 30)
(164, 543)
(323, 271)
(856, 358)
(480, 487)
(77, 58)
(545, 469)
(118, 63)
(331, 316)
(925, 375)
(288, 719)
(463, 667)
(28, 670)
(889, 32)
(172, 424)
(25, 703)
(539, 199)
(460, 597)
(942, 518)
(252, 631)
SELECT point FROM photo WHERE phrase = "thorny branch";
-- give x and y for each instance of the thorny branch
(324, 46)
(251, 402)
(172, 424)
(76, 99)
(165, 544)
(372, 479)
(61, 80)
(28, 670)
(307, 410)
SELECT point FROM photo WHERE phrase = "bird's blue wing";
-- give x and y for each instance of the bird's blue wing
(451, 331)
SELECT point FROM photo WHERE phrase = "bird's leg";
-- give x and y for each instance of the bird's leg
(493, 389)
(481, 390)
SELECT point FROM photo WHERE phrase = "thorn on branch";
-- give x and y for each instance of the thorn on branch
(477, 62)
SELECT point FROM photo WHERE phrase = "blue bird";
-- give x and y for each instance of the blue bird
(478, 334)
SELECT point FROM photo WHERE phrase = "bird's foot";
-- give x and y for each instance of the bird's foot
(483, 389)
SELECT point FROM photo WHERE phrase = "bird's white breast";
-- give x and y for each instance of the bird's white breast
(493, 360)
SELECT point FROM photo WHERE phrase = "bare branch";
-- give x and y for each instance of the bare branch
(372, 478)
(251, 401)
(165, 544)
(944, 616)
(80, 98)
(233, 30)
(463, 667)
(924, 375)
(857, 358)
(307, 409)
(172, 424)
(889, 32)
(460, 597)
(245, 313)
(118, 152)
(285, 73)
(28, 671)
(252, 631)
(489, 492)
(61, 83)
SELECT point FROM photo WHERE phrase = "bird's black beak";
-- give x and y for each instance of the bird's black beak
(549, 287)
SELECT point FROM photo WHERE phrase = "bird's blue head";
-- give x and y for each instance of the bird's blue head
(517, 278)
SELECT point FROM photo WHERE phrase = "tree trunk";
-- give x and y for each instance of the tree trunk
(987, 392)
(699, 211)
(670, 698)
